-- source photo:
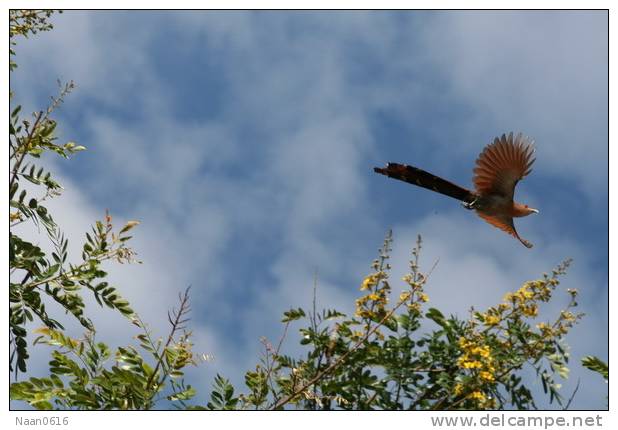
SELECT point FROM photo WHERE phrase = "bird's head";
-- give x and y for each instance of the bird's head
(523, 210)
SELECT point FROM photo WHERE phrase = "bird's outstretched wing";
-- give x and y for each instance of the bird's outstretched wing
(504, 223)
(421, 178)
(502, 164)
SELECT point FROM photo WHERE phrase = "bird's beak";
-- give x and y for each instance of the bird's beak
(536, 211)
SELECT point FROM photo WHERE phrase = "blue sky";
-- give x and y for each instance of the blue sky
(245, 141)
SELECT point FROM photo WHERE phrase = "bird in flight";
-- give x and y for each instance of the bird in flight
(499, 167)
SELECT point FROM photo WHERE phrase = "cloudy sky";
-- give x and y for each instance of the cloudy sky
(245, 143)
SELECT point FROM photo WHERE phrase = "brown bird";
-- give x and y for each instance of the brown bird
(498, 169)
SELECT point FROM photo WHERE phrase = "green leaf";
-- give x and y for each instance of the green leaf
(42, 211)
(186, 394)
(596, 365)
(436, 316)
(52, 270)
(13, 189)
(128, 226)
(222, 397)
(35, 152)
(292, 315)
(331, 314)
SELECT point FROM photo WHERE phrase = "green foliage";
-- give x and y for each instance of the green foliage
(293, 315)
(86, 375)
(596, 365)
(23, 22)
(37, 277)
(222, 397)
(378, 359)
(54, 278)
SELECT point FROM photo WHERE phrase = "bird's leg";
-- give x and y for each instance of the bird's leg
(469, 205)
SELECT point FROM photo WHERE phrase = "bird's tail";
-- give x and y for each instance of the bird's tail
(421, 178)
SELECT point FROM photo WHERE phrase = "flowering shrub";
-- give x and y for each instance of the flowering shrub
(377, 359)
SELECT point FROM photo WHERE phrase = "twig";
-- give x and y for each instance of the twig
(270, 364)
(177, 322)
(341, 359)
(572, 396)
(336, 363)
(26, 144)
(313, 309)
(372, 398)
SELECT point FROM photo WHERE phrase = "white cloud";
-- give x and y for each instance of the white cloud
(534, 72)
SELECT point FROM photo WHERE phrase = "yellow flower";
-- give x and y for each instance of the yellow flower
(531, 310)
(404, 296)
(478, 395)
(414, 307)
(486, 376)
(483, 351)
(509, 297)
(473, 365)
(465, 363)
(525, 293)
(423, 297)
(368, 282)
(458, 389)
(567, 316)
(503, 307)
(491, 320)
